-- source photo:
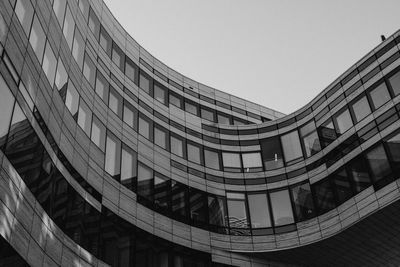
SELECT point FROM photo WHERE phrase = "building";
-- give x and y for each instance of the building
(109, 157)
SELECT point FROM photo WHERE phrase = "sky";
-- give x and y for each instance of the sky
(277, 53)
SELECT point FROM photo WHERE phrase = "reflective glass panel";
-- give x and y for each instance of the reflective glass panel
(102, 87)
(324, 196)
(130, 115)
(303, 201)
(327, 133)
(222, 119)
(179, 194)
(131, 70)
(252, 162)
(361, 109)
(281, 207)
(144, 127)
(37, 39)
(128, 166)
(162, 191)
(176, 146)
(159, 93)
(272, 153)
(211, 159)
(342, 186)
(113, 155)
(69, 26)
(94, 23)
(207, 114)
(393, 149)
(78, 49)
(24, 12)
(115, 102)
(291, 146)
(380, 95)
(98, 134)
(105, 41)
(231, 161)
(259, 210)
(145, 182)
(217, 211)
(72, 99)
(395, 83)
(59, 10)
(61, 78)
(343, 121)
(89, 70)
(191, 108)
(310, 139)
(84, 117)
(160, 137)
(6, 103)
(144, 83)
(175, 100)
(49, 63)
(193, 152)
(359, 174)
(379, 163)
(118, 57)
(198, 207)
(237, 210)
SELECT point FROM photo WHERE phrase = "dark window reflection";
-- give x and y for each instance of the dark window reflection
(198, 207)
(179, 195)
(272, 153)
(324, 197)
(393, 149)
(379, 165)
(327, 133)
(217, 213)
(359, 174)
(162, 193)
(342, 185)
(303, 202)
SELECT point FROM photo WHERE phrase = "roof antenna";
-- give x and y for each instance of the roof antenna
(383, 38)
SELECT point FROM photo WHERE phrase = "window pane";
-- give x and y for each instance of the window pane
(113, 155)
(237, 210)
(6, 103)
(162, 191)
(343, 122)
(94, 24)
(393, 149)
(191, 108)
(361, 109)
(327, 133)
(131, 70)
(252, 162)
(84, 117)
(118, 57)
(98, 135)
(115, 102)
(222, 119)
(61, 75)
(49, 63)
(89, 70)
(324, 196)
(211, 159)
(303, 202)
(72, 99)
(144, 83)
(37, 39)
(130, 115)
(159, 93)
(281, 208)
(359, 174)
(179, 194)
(78, 49)
(310, 139)
(259, 211)
(105, 41)
(217, 211)
(128, 166)
(231, 162)
(175, 100)
(379, 96)
(176, 146)
(378, 163)
(342, 186)
(160, 137)
(102, 87)
(395, 83)
(69, 26)
(291, 146)
(198, 207)
(207, 114)
(84, 7)
(145, 183)
(24, 12)
(272, 153)
(144, 127)
(59, 10)
(194, 153)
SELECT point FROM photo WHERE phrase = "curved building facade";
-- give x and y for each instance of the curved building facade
(109, 157)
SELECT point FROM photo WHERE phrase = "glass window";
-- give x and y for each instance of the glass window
(59, 10)
(360, 109)
(177, 146)
(105, 41)
(160, 136)
(231, 162)
(144, 126)
(379, 95)
(160, 93)
(272, 153)
(175, 100)
(84, 7)
(291, 146)
(207, 114)
(89, 70)
(61, 75)
(343, 121)
(310, 139)
(191, 107)
(144, 83)
(115, 102)
(393, 150)
(118, 57)
(303, 201)
(211, 159)
(84, 117)
(131, 70)
(113, 155)
(162, 192)
(94, 23)
(102, 87)
(194, 153)
(217, 211)
(252, 162)
(145, 183)
(198, 207)
(49, 63)
(324, 197)
(342, 185)
(130, 115)
(69, 26)
(128, 166)
(6, 103)
(98, 134)
(237, 210)
(179, 195)
(37, 39)
(395, 83)
(72, 99)
(259, 210)
(327, 133)
(78, 48)
(237, 121)
(379, 163)
(281, 207)
(223, 119)
(359, 174)
(24, 12)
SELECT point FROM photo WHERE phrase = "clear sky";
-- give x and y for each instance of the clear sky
(277, 53)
